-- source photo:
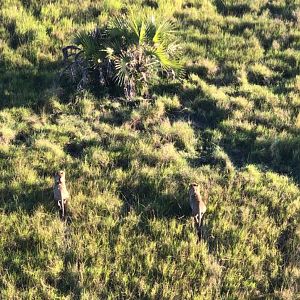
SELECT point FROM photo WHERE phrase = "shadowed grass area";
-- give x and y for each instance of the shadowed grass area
(232, 125)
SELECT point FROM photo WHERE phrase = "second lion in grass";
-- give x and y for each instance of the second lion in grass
(198, 207)
(61, 194)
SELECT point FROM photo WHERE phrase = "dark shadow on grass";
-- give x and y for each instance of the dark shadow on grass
(23, 246)
(117, 118)
(26, 198)
(69, 280)
(282, 11)
(76, 148)
(150, 3)
(26, 86)
(278, 155)
(170, 89)
(146, 197)
(237, 10)
(224, 76)
(245, 147)
(203, 113)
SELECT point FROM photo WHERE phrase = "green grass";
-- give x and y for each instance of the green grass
(232, 125)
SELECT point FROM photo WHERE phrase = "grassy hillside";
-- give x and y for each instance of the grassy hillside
(232, 124)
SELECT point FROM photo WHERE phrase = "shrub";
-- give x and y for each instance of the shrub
(131, 54)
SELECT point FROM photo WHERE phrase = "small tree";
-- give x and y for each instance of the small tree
(131, 53)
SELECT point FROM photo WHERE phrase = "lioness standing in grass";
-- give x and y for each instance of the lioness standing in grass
(61, 194)
(198, 207)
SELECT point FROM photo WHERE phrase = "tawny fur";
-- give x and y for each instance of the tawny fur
(197, 205)
(60, 190)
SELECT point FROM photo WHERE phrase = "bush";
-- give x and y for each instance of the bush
(131, 54)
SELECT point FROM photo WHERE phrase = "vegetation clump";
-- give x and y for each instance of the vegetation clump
(131, 53)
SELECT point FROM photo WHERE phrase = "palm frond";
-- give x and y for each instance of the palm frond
(91, 44)
(124, 31)
(134, 26)
(151, 30)
(121, 70)
(165, 60)
(162, 31)
(143, 33)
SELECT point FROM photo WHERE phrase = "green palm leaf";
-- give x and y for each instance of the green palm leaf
(162, 32)
(121, 70)
(143, 33)
(90, 43)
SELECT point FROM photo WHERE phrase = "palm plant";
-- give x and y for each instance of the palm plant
(131, 53)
